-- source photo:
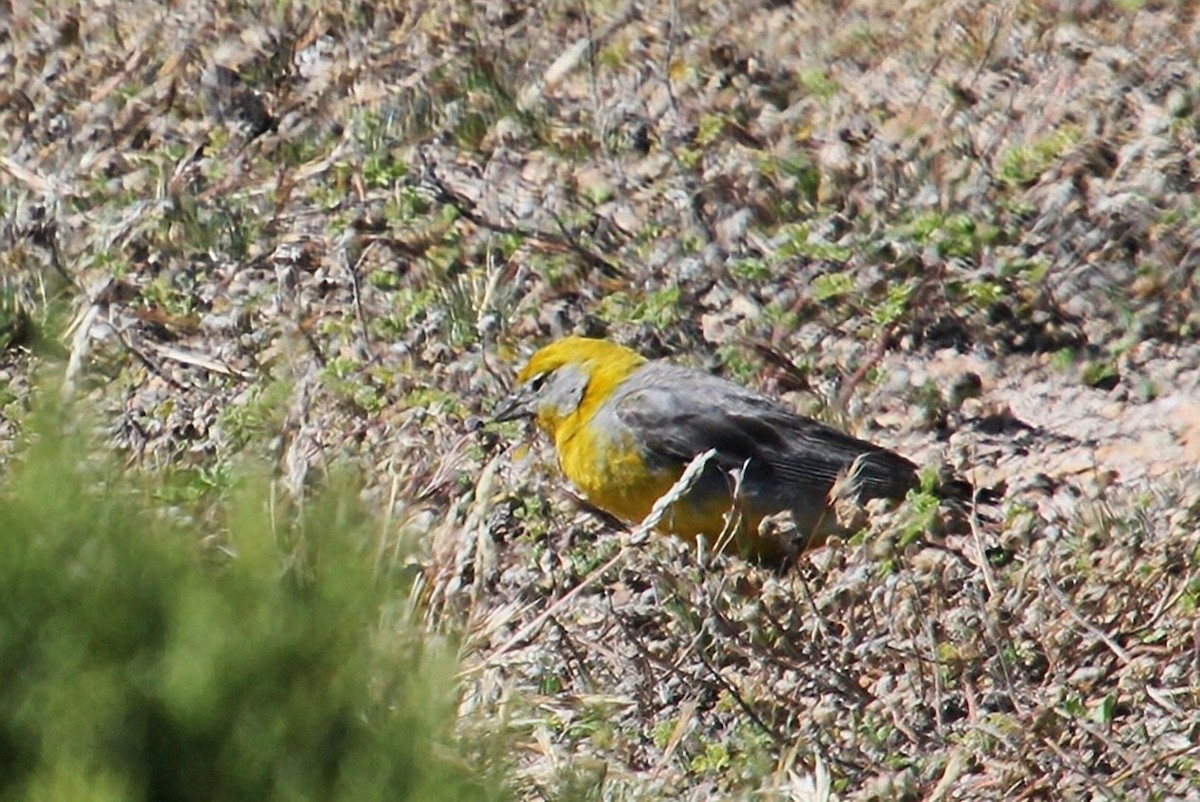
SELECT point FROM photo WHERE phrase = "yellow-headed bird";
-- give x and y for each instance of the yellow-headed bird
(625, 428)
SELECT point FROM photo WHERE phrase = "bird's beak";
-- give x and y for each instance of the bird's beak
(515, 406)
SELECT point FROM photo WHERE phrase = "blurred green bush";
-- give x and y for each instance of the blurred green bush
(260, 656)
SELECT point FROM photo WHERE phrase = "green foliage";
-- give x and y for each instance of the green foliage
(751, 268)
(169, 296)
(534, 513)
(455, 306)
(1100, 374)
(658, 308)
(710, 129)
(715, 758)
(590, 556)
(895, 304)
(921, 510)
(954, 236)
(832, 285)
(689, 157)
(738, 365)
(139, 659)
(406, 204)
(346, 378)
(1022, 165)
(800, 243)
(1063, 359)
(818, 83)
(1105, 710)
(662, 732)
(799, 167)
(261, 415)
(378, 135)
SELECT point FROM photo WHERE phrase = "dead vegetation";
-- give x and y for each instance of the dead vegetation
(326, 234)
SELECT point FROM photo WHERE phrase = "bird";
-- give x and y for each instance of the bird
(625, 428)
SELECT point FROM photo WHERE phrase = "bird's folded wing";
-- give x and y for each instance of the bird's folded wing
(675, 413)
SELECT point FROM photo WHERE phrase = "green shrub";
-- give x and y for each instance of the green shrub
(263, 656)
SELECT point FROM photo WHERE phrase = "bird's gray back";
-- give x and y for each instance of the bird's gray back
(674, 413)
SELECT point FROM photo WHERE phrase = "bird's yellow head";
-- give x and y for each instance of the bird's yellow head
(566, 380)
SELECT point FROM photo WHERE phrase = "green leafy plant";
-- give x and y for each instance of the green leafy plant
(144, 657)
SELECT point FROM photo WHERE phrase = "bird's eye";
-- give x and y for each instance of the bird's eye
(537, 381)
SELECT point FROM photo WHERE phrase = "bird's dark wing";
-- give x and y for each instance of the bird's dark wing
(677, 413)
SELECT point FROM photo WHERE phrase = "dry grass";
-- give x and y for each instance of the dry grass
(325, 235)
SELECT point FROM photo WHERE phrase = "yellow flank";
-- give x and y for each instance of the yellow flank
(612, 474)
(625, 429)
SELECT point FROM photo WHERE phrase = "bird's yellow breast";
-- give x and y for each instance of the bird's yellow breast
(612, 473)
